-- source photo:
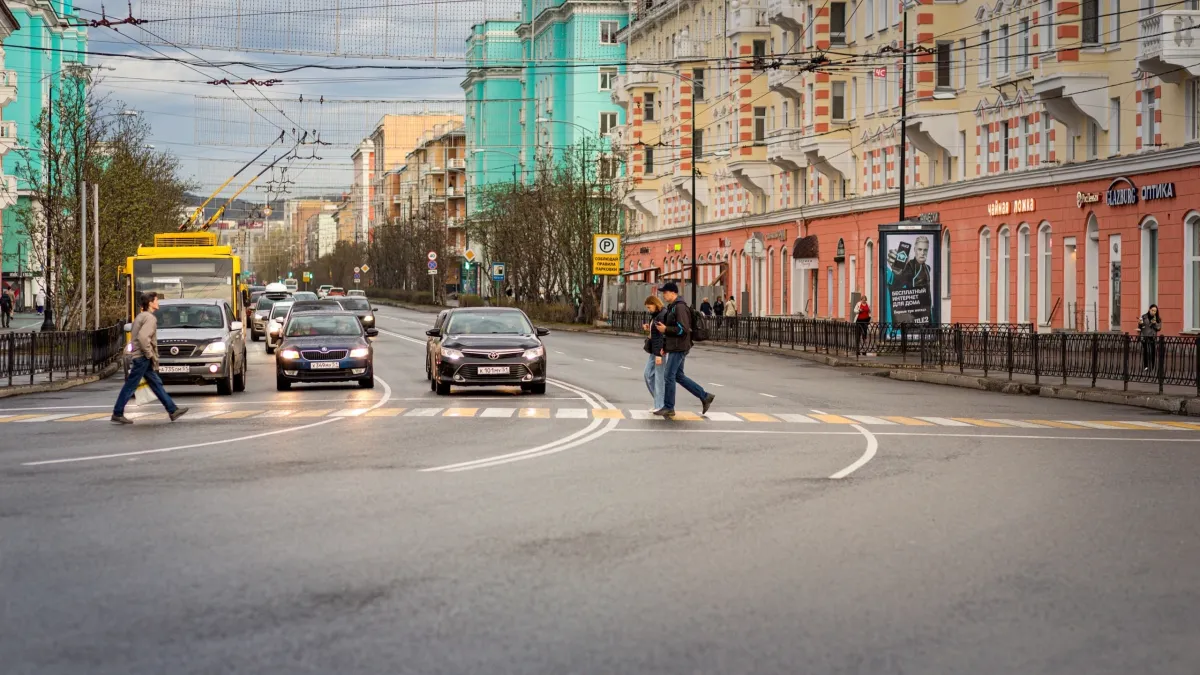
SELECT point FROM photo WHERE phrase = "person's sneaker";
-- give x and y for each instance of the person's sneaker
(179, 412)
(121, 419)
(707, 404)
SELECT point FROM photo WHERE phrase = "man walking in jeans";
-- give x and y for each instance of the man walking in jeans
(144, 336)
(677, 327)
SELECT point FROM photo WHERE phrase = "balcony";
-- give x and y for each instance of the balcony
(936, 138)
(830, 156)
(743, 19)
(1169, 44)
(783, 148)
(458, 164)
(1075, 98)
(754, 175)
(687, 48)
(787, 14)
(788, 83)
(8, 137)
(454, 192)
(8, 87)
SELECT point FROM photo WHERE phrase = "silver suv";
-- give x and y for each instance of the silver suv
(200, 342)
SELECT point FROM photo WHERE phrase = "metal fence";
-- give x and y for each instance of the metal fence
(23, 356)
(991, 348)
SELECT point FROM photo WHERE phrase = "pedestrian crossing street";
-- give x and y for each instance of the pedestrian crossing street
(764, 418)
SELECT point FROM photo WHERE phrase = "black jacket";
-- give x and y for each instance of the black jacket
(706, 309)
(656, 338)
(679, 327)
(5, 302)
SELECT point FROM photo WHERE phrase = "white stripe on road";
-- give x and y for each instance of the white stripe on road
(498, 412)
(723, 417)
(867, 419)
(572, 414)
(423, 412)
(272, 413)
(943, 422)
(1020, 424)
(348, 412)
(1154, 425)
(767, 395)
(714, 384)
(202, 414)
(627, 368)
(643, 415)
(795, 419)
(45, 418)
(868, 455)
(1092, 425)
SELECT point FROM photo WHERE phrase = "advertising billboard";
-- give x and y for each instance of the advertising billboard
(910, 273)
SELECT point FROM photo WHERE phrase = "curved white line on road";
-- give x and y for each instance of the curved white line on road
(551, 451)
(868, 455)
(387, 394)
(513, 456)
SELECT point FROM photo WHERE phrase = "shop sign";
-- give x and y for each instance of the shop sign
(1023, 205)
(998, 209)
(1003, 208)
(1158, 191)
(1082, 198)
(1125, 195)
(807, 263)
(780, 235)
(929, 217)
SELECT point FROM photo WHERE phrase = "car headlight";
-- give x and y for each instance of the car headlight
(535, 353)
(359, 352)
(369, 319)
(289, 354)
(452, 354)
(214, 348)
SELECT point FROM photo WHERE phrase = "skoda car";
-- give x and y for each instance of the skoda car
(201, 342)
(325, 347)
(488, 347)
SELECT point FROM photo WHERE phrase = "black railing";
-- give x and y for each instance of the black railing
(994, 349)
(23, 356)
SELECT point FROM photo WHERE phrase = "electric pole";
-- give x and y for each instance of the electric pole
(903, 115)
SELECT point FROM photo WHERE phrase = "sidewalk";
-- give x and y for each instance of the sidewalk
(24, 322)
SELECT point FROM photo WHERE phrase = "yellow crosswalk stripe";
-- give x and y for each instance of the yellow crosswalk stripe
(1056, 425)
(312, 413)
(756, 417)
(460, 412)
(1183, 425)
(909, 421)
(981, 423)
(534, 413)
(607, 414)
(237, 415)
(384, 412)
(832, 419)
(16, 418)
(87, 418)
(688, 417)
(1121, 425)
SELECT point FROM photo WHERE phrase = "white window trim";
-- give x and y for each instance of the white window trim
(600, 29)
(1003, 267)
(985, 274)
(1191, 229)
(611, 73)
(868, 265)
(1024, 242)
(1148, 223)
(1045, 265)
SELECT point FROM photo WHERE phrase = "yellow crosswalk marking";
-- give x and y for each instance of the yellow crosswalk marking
(312, 413)
(237, 415)
(607, 414)
(909, 421)
(756, 417)
(535, 413)
(831, 419)
(460, 412)
(87, 418)
(688, 417)
(981, 423)
(1183, 425)
(17, 418)
(384, 412)
(1056, 425)
(1123, 425)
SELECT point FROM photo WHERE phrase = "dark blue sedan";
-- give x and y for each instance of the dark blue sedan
(325, 347)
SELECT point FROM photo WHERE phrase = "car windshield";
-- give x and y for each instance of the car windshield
(189, 316)
(280, 309)
(304, 295)
(490, 323)
(265, 303)
(355, 304)
(308, 325)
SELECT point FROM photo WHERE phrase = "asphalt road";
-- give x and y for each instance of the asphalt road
(822, 521)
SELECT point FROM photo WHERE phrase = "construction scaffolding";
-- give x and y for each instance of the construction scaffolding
(350, 28)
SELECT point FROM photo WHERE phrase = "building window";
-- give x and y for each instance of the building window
(649, 162)
(869, 267)
(608, 122)
(985, 148)
(648, 107)
(1093, 140)
(759, 53)
(837, 106)
(1114, 127)
(787, 118)
(1149, 256)
(985, 274)
(698, 143)
(881, 92)
(881, 14)
(944, 73)
(608, 32)
(985, 55)
(1046, 145)
(1024, 62)
(606, 78)
(809, 103)
(1004, 146)
(1045, 267)
(809, 38)
(760, 124)
(870, 93)
(606, 168)
(1002, 52)
(1192, 109)
(1003, 263)
(1147, 118)
(1047, 15)
(1023, 288)
(698, 84)
(1091, 22)
(837, 23)
(1191, 274)
(869, 19)
(853, 97)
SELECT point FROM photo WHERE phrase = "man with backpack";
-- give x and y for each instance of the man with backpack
(682, 327)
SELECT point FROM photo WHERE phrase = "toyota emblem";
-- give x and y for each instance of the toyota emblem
(174, 351)
(493, 356)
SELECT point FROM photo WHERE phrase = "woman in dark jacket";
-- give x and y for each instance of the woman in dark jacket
(655, 369)
(1149, 326)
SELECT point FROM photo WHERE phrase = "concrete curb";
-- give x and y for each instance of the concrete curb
(59, 385)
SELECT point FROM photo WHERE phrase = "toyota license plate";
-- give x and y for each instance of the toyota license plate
(325, 365)
(493, 370)
(174, 369)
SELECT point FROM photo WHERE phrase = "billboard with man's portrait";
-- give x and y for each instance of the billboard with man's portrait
(909, 273)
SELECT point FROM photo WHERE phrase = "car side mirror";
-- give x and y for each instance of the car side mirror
(543, 332)
(128, 327)
(434, 332)
(236, 325)
(372, 332)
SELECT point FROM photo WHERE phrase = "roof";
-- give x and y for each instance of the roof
(190, 301)
(11, 17)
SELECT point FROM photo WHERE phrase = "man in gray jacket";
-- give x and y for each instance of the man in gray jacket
(144, 337)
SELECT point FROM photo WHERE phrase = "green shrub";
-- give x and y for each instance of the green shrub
(470, 300)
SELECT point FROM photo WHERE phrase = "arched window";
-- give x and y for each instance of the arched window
(985, 274)
(945, 276)
(868, 268)
(768, 281)
(784, 295)
(1191, 271)
(1003, 267)
(1024, 288)
(1045, 273)
(1149, 261)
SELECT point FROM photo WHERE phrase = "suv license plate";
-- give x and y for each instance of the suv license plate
(325, 365)
(493, 370)
(174, 369)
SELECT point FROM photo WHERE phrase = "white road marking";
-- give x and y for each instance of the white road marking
(560, 353)
(714, 384)
(498, 412)
(868, 455)
(572, 414)
(423, 412)
(643, 415)
(1091, 425)
(943, 422)
(867, 419)
(1020, 424)
(818, 412)
(1154, 425)
(403, 337)
(767, 395)
(999, 437)
(270, 413)
(796, 419)
(627, 368)
(348, 412)
(46, 418)
(201, 414)
(387, 394)
(723, 417)
(589, 360)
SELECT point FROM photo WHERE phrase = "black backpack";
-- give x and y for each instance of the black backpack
(699, 325)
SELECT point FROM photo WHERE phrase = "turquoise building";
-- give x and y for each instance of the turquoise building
(47, 40)
(541, 84)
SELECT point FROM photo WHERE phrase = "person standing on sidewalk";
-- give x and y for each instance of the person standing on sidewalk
(1149, 326)
(706, 307)
(862, 320)
(677, 327)
(655, 373)
(6, 308)
(144, 336)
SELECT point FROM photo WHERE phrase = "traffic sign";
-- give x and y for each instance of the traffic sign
(432, 255)
(357, 270)
(606, 254)
(366, 269)
(498, 270)
(289, 275)
(432, 271)
(433, 264)
(470, 255)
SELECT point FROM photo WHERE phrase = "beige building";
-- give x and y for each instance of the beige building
(433, 180)
(1022, 117)
(393, 139)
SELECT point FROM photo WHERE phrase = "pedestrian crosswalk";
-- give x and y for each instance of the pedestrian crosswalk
(747, 417)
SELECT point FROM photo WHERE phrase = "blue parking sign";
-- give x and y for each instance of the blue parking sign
(498, 270)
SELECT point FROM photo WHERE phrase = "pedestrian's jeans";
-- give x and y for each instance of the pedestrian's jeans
(1149, 351)
(656, 380)
(142, 367)
(674, 375)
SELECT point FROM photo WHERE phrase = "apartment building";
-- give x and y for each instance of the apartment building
(434, 181)
(362, 192)
(392, 140)
(1050, 162)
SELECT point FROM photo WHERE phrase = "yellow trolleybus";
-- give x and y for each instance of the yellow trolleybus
(185, 265)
